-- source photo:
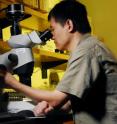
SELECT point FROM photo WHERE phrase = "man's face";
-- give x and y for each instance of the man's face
(60, 34)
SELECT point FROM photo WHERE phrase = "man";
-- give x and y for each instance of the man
(90, 80)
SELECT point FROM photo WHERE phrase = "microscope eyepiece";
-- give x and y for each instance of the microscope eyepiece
(46, 35)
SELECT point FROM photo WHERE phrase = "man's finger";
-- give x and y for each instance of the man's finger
(2, 73)
(50, 108)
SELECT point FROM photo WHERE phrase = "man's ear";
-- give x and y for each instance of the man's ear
(69, 25)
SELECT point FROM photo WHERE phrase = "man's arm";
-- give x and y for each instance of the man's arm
(54, 98)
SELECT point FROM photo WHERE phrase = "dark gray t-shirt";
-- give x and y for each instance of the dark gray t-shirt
(91, 82)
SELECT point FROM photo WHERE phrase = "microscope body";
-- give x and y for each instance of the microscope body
(19, 59)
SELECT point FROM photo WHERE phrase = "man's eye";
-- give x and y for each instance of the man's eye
(51, 29)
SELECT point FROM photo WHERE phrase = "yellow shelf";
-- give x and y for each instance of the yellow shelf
(28, 10)
(4, 47)
(47, 56)
(39, 14)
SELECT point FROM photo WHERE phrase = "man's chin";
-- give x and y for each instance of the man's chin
(60, 47)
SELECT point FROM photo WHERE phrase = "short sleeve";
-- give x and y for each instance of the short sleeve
(82, 70)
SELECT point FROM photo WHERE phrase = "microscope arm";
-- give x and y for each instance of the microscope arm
(29, 40)
(24, 41)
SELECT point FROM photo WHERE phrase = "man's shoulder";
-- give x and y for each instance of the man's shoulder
(88, 43)
(85, 46)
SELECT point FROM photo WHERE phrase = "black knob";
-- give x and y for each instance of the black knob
(13, 58)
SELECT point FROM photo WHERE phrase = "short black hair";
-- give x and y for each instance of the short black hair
(73, 10)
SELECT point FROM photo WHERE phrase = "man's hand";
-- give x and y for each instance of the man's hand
(2, 76)
(7, 76)
(2, 73)
(42, 108)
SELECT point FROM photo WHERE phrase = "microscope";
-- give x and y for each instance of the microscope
(19, 60)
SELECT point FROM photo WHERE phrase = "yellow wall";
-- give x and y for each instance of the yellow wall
(33, 23)
(104, 20)
(46, 5)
